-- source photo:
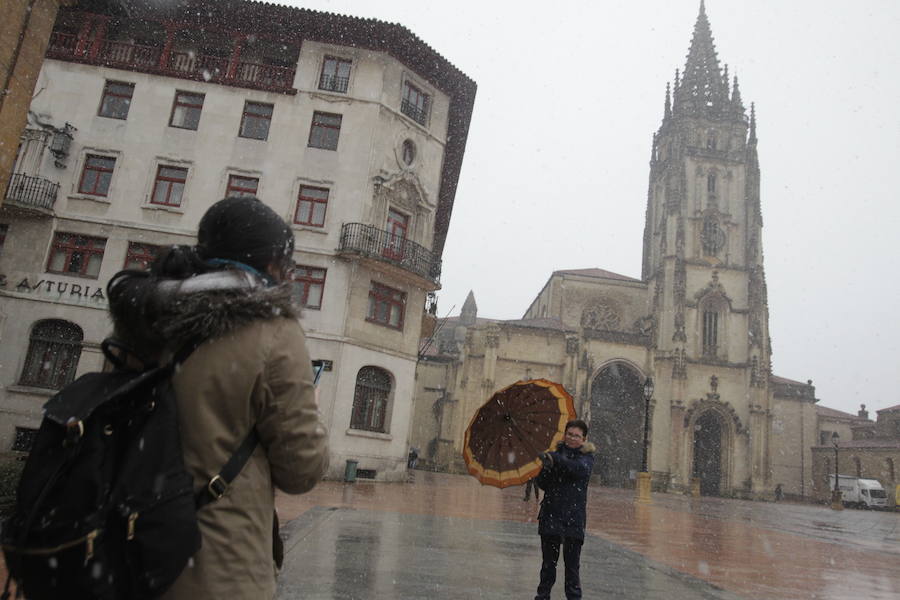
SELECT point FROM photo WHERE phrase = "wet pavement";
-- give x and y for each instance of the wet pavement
(445, 536)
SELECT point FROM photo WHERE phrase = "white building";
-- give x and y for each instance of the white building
(353, 130)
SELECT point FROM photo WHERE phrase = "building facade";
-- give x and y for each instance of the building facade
(353, 130)
(696, 322)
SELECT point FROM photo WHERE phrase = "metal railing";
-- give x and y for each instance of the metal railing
(33, 192)
(419, 115)
(384, 246)
(333, 83)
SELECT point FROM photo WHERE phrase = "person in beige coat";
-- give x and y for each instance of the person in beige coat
(250, 370)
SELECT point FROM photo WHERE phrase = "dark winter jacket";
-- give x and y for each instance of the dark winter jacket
(564, 507)
(253, 371)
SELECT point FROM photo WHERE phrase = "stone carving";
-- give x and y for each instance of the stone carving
(698, 407)
(492, 337)
(571, 345)
(601, 316)
(645, 325)
(679, 366)
(679, 335)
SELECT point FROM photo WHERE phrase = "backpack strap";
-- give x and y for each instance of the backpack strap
(218, 485)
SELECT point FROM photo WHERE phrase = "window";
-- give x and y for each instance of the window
(712, 237)
(712, 140)
(24, 439)
(96, 175)
(309, 283)
(710, 332)
(409, 152)
(311, 205)
(186, 110)
(325, 130)
(335, 74)
(53, 353)
(370, 399)
(386, 306)
(240, 186)
(824, 438)
(73, 254)
(711, 183)
(415, 103)
(397, 227)
(116, 100)
(256, 120)
(169, 186)
(139, 256)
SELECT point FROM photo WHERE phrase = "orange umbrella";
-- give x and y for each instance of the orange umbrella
(516, 424)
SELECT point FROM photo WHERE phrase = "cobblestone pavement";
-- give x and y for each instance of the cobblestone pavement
(445, 536)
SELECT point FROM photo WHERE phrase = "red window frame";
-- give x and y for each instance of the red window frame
(331, 79)
(111, 91)
(238, 186)
(382, 299)
(323, 124)
(308, 201)
(397, 227)
(189, 101)
(78, 251)
(415, 103)
(92, 175)
(257, 113)
(171, 182)
(140, 253)
(307, 279)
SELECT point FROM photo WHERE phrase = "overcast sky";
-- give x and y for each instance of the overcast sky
(556, 167)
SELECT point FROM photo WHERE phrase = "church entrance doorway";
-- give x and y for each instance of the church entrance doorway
(708, 453)
(617, 424)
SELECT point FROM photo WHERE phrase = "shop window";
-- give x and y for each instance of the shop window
(53, 352)
(116, 100)
(240, 186)
(325, 131)
(140, 256)
(256, 120)
(309, 284)
(186, 110)
(370, 399)
(168, 188)
(73, 254)
(96, 175)
(386, 306)
(311, 205)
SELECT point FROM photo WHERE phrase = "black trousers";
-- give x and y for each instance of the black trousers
(571, 558)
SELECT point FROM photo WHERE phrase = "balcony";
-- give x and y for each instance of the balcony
(173, 63)
(33, 194)
(363, 240)
(416, 113)
(333, 83)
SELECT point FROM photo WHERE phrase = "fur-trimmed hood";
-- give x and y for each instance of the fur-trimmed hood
(586, 448)
(150, 315)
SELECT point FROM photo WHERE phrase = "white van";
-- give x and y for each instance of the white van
(859, 492)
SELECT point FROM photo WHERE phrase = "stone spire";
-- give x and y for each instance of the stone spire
(702, 90)
(469, 312)
(668, 109)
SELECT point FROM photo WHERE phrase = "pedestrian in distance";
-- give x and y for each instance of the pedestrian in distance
(564, 478)
(230, 297)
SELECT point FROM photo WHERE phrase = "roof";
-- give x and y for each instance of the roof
(871, 443)
(599, 273)
(786, 381)
(824, 411)
(889, 409)
(538, 323)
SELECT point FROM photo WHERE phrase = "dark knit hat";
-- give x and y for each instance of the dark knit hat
(244, 229)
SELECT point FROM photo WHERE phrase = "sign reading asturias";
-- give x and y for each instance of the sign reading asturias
(62, 288)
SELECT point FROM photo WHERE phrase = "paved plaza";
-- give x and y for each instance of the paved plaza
(445, 536)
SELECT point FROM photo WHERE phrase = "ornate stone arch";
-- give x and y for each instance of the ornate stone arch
(730, 428)
(405, 193)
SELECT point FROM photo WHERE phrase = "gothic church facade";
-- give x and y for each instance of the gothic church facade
(696, 322)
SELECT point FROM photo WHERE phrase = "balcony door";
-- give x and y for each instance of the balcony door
(397, 228)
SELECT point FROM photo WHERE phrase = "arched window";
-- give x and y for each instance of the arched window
(370, 401)
(53, 353)
(712, 237)
(712, 139)
(711, 183)
(712, 311)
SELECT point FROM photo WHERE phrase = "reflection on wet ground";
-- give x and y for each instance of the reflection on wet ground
(441, 533)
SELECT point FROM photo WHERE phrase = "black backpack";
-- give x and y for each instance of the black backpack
(105, 508)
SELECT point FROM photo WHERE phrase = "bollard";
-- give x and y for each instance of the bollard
(695, 487)
(350, 471)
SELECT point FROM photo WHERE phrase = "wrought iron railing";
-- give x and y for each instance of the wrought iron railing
(419, 115)
(384, 246)
(33, 192)
(333, 83)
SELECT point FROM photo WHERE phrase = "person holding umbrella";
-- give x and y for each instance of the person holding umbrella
(564, 478)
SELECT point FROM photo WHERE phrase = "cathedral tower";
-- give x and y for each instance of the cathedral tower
(704, 266)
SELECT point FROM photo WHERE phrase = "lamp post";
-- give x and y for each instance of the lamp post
(836, 499)
(643, 481)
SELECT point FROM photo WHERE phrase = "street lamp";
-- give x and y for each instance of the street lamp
(643, 482)
(836, 499)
